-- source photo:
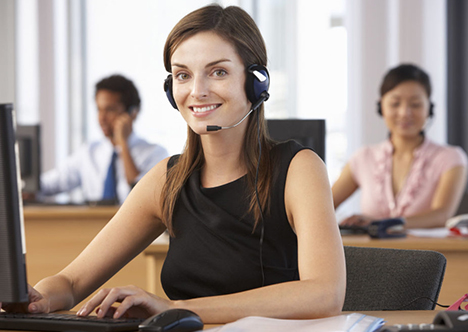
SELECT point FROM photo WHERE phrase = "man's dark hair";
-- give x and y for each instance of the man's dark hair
(128, 92)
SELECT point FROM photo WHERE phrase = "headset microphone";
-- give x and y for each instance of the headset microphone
(263, 97)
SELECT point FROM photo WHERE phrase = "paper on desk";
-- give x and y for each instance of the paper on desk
(354, 322)
(439, 232)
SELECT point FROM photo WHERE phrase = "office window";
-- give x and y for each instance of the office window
(321, 73)
(307, 45)
(306, 42)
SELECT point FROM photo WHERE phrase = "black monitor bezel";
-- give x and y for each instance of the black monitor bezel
(13, 281)
(297, 129)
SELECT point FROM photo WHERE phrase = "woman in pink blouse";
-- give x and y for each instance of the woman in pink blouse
(408, 175)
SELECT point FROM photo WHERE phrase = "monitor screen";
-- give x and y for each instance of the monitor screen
(13, 284)
(29, 144)
(310, 133)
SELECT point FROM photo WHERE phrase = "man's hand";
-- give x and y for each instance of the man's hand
(123, 127)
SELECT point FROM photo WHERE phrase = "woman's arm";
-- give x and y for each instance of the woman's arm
(445, 202)
(344, 187)
(132, 228)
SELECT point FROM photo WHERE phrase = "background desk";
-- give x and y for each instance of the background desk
(454, 249)
(55, 235)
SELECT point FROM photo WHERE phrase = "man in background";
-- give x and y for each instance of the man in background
(106, 170)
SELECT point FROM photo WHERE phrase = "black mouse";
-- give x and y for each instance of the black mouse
(173, 320)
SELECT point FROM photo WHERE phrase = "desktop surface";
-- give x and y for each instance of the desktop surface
(68, 212)
(34, 202)
(452, 244)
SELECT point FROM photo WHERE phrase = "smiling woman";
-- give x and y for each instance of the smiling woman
(253, 230)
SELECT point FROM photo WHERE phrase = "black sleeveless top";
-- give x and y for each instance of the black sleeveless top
(215, 250)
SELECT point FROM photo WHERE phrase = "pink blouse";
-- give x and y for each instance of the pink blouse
(371, 168)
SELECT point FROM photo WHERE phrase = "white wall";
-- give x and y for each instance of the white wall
(7, 54)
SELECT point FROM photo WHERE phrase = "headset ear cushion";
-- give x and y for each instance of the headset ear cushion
(168, 90)
(431, 110)
(379, 108)
(257, 82)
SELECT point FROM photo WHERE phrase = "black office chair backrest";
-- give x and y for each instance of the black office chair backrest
(392, 279)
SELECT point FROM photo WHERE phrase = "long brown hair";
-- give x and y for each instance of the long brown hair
(237, 27)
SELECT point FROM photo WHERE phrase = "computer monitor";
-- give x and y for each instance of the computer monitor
(29, 144)
(310, 133)
(13, 284)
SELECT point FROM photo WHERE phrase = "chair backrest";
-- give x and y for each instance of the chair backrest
(392, 279)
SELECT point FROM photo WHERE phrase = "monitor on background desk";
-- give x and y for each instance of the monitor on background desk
(29, 144)
(310, 133)
(13, 284)
(463, 207)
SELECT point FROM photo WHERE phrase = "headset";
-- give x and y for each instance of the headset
(431, 109)
(257, 84)
(132, 109)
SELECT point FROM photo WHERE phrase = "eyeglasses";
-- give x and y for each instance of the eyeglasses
(458, 304)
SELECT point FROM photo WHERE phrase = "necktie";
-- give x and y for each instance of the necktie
(110, 185)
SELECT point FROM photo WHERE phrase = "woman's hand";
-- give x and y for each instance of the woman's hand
(357, 220)
(37, 303)
(134, 303)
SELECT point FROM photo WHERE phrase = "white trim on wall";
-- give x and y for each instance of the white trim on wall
(47, 82)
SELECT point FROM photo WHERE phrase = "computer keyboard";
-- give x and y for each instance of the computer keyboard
(417, 327)
(65, 322)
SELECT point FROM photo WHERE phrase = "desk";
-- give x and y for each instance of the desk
(155, 255)
(55, 235)
(454, 249)
(391, 317)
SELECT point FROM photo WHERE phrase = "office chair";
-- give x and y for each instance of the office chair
(392, 279)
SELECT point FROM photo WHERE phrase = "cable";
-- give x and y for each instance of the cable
(419, 298)
(262, 231)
